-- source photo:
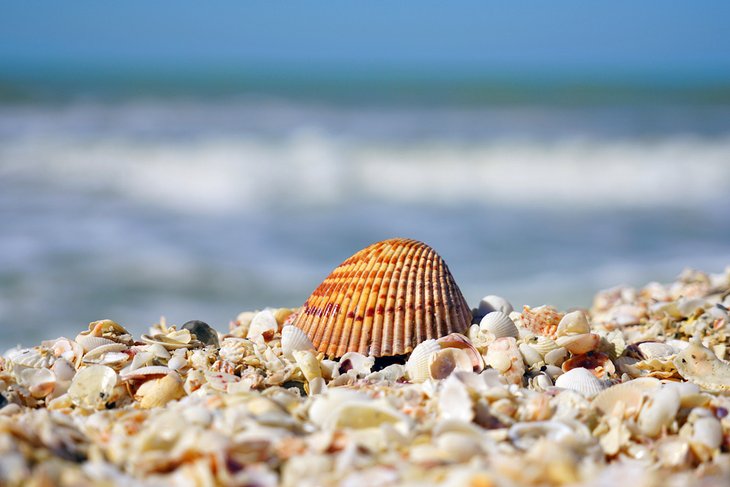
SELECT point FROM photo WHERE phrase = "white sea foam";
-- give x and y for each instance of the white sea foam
(310, 168)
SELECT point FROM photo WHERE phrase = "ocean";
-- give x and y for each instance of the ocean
(200, 203)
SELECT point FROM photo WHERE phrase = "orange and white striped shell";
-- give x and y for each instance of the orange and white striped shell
(383, 301)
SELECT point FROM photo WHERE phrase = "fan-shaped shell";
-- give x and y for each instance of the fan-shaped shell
(293, 338)
(582, 381)
(383, 301)
(499, 324)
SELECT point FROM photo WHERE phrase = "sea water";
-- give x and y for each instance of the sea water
(198, 207)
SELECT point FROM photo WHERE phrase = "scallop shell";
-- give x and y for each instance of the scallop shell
(631, 394)
(499, 324)
(293, 338)
(580, 380)
(383, 301)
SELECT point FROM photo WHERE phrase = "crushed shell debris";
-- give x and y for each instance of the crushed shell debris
(635, 388)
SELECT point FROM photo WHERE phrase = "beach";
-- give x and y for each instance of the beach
(633, 388)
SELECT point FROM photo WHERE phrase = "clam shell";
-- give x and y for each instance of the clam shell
(574, 322)
(499, 324)
(90, 342)
(383, 301)
(578, 344)
(417, 366)
(93, 386)
(146, 372)
(700, 365)
(457, 340)
(650, 350)
(293, 338)
(580, 380)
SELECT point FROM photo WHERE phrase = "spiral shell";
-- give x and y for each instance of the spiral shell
(383, 301)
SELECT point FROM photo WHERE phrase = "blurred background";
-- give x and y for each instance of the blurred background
(192, 161)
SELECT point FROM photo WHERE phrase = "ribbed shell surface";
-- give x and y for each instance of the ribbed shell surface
(383, 301)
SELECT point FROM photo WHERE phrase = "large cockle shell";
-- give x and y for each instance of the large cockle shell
(383, 301)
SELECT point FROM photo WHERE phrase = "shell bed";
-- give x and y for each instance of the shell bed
(633, 391)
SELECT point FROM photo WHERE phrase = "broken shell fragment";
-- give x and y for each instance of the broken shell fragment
(573, 323)
(579, 344)
(263, 322)
(700, 365)
(658, 411)
(93, 387)
(444, 362)
(383, 301)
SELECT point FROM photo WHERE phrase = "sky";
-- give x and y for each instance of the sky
(604, 38)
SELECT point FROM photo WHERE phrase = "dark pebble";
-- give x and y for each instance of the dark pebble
(202, 331)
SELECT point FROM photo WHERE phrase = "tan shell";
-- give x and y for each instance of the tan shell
(383, 301)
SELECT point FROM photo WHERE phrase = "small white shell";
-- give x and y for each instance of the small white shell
(499, 324)
(707, 431)
(97, 352)
(417, 365)
(574, 322)
(357, 362)
(492, 303)
(580, 343)
(542, 344)
(556, 357)
(580, 380)
(293, 338)
(530, 355)
(650, 350)
(90, 342)
(261, 323)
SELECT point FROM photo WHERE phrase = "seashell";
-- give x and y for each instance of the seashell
(580, 380)
(203, 332)
(524, 435)
(597, 362)
(579, 344)
(308, 363)
(698, 364)
(572, 323)
(706, 430)
(93, 387)
(146, 372)
(177, 362)
(356, 362)
(63, 370)
(499, 324)
(30, 357)
(542, 344)
(504, 356)
(443, 362)
(630, 394)
(454, 401)
(530, 355)
(158, 392)
(613, 344)
(40, 382)
(417, 366)
(264, 321)
(172, 339)
(556, 357)
(658, 411)
(90, 342)
(491, 303)
(293, 338)
(457, 340)
(97, 352)
(543, 320)
(650, 350)
(383, 301)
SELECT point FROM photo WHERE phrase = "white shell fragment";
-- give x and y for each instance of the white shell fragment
(492, 303)
(93, 387)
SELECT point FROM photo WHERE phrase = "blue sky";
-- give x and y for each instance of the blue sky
(479, 36)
